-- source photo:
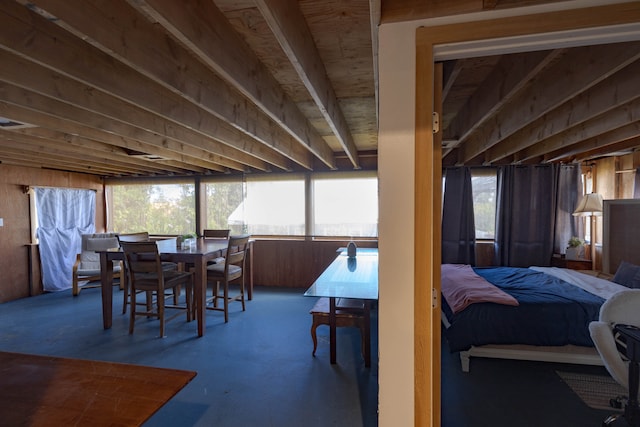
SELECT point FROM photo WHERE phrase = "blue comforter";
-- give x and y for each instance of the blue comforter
(552, 312)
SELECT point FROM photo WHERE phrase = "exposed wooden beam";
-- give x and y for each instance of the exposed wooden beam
(597, 126)
(62, 88)
(622, 146)
(451, 71)
(289, 27)
(117, 31)
(579, 69)
(77, 143)
(51, 45)
(31, 107)
(511, 75)
(598, 145)
(620, 88)
(18, 146)
(201, 27)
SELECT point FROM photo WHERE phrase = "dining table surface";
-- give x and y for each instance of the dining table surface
(350, 278)
(197, 255)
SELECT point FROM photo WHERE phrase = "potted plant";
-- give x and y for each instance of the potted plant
(575, 248)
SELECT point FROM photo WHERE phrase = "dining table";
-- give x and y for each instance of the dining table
(197, 255)
(348, 277)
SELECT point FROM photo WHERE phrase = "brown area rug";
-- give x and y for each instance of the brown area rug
(594, 390)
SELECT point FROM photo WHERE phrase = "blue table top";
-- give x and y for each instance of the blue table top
(349, 277)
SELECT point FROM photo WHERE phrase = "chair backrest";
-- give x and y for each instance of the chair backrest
(142, 236)
(90, 243)
(215, 234)
(142, 259)
(236, 251)
(622, 308)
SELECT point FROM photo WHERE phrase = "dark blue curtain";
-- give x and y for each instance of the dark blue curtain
(525, 215)
(458, 228)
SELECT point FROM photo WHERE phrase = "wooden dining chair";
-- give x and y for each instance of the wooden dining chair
(147, 274)
(216, 234)
(232, 270)
(143, 236)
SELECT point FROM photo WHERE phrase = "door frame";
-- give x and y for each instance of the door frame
(428, 168)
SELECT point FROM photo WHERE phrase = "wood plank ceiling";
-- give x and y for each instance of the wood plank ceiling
(122, 88)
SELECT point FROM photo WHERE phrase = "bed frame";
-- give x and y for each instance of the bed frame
(572, 354)
(561, 354)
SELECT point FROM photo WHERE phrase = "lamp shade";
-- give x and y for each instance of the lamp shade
(591, 204)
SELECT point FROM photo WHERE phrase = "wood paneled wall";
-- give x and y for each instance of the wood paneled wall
(614, 179)
(294, 263)
(16, 231)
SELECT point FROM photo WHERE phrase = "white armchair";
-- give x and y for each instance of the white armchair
(621, 309)
(87, 265)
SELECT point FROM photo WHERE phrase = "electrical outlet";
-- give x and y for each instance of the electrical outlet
(1, 222)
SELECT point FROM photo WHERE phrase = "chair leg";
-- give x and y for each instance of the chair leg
(125, 290)
(176, 294)
(216, 293)
(189, 299)
(362, 340)
(242, 292)
(132, 317)
(74, 285)
(226, 301)
(160, 302)
(150, 301)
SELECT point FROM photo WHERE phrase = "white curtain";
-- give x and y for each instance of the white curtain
(63, 216)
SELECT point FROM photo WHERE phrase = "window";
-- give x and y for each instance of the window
(222, 200)
(156, 208)
(272, 206)
(345, 205)
(484, 190)
(336, 204)
(587, 188)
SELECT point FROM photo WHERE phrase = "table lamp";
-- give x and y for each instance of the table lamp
(591, 206)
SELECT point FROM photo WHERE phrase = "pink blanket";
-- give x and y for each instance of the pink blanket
(461, 286)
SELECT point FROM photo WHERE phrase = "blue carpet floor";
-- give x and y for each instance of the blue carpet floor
(256, 370)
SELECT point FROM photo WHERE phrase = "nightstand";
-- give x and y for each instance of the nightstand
(559, 260)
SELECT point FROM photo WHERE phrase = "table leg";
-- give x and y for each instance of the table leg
(332, 328)
(106, 280)
(199, 293)
(250, 289)
(367, 333)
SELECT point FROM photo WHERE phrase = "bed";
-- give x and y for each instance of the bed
(536, 313)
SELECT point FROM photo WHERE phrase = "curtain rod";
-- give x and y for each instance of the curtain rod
(27, 188)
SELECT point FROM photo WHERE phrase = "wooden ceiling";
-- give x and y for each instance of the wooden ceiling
(168, 87)
(562, 105)
(122, 88)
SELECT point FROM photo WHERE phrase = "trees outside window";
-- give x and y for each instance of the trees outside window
(156, 208)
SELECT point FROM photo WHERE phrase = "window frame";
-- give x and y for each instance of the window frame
(200, 195)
